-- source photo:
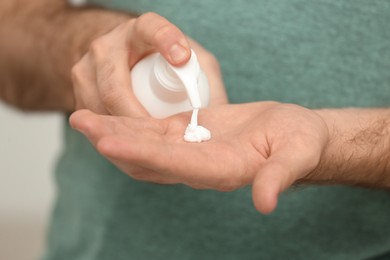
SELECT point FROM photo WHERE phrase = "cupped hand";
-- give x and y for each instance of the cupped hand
(101, 79)
(267, 145)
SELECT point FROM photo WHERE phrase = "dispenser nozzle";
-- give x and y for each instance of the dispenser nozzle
(188, 74)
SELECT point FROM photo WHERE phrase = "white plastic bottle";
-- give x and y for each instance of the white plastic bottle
(165, 90)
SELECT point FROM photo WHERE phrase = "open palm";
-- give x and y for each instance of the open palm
(266, 144)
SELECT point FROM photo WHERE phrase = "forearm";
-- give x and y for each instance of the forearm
(40, 42)
(359, 150)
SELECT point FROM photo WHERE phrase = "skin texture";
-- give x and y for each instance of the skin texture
(55, 57)
(40, 42)
(267, 145)
(102, 79)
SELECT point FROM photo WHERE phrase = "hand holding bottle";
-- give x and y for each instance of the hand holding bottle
(101, 78)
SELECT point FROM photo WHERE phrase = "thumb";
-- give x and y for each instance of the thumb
(286, 165)
(272, 178)
(156, 31)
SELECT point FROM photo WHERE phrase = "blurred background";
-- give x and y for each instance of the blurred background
(30, 143)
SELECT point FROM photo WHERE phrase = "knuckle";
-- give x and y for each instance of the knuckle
(96, 47)
(144, 20)
(163, 31)
(77, 73)
(110, 41)
(160, 28)
(147, 17)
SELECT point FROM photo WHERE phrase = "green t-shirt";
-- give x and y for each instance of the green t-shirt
(317, 53)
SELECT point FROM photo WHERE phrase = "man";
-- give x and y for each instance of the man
(316, 54)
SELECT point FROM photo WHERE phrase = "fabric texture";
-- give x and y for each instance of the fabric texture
(321, 53)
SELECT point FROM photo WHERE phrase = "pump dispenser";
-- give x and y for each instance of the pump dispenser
(164, 89)
(188, 74)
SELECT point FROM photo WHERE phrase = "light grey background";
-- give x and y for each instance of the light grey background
(29, 146)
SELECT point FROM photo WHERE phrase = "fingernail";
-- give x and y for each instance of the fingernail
(177, 53)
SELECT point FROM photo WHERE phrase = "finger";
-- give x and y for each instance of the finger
(285, 166)
(119, 151)
(91, 125)
(110, 57)
(267, 185)
(155, 31)
(85, 86)
(181, 160)
(96, 127)
(114, 84)
(143, 174)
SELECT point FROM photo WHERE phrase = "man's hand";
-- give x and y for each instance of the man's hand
(102, 80)
(267, 145)
(41, 41)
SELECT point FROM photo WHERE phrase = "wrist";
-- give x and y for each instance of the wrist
(357, 152)
(323, 174)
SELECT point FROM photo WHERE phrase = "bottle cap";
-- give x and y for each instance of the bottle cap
(188, 75)
(175, 78)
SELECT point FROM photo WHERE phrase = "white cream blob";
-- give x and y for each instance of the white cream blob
(195, 133)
